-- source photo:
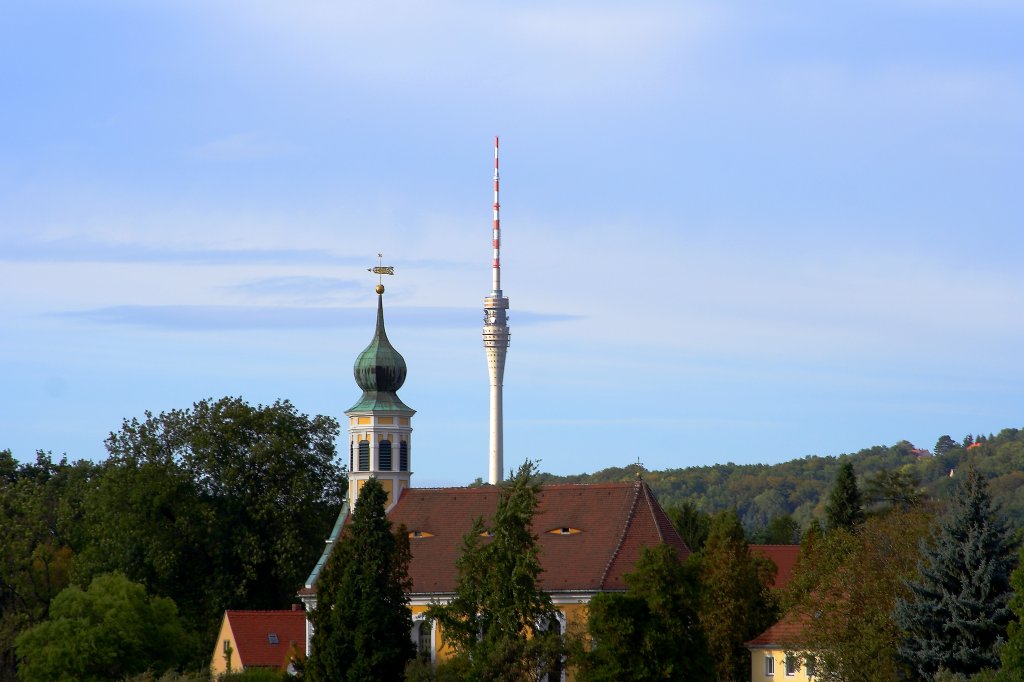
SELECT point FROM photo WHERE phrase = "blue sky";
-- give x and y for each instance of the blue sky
(731, 231)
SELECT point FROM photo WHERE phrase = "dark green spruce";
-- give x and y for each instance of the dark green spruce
(361, 622)
(845, 506)
(956, 616)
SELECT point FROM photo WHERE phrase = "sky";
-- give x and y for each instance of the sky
(732, 232)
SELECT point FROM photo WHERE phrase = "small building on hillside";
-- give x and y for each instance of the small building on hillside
(258, 639)
(774, 654)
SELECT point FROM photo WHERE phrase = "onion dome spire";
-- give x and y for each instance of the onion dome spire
(380, 369)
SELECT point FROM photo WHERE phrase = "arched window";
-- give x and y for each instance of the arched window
(556, 673)
(364, 455)
(403, 456)
(385, 455)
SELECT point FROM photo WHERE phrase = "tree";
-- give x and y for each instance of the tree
(944, 444)
(110, 630)
(691, 523)
(781, 530)
(844, 508)
(40, 520)
(652, 632)
(957, 612)
(888, 489)
(498, 620)
(735, 603)
(362, 621)
(1012, 653)
(223, 505)
(843, 590)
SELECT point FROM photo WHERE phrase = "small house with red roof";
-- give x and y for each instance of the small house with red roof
(258, 639)
(775, 653)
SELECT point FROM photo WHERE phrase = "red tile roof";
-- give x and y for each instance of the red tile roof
(252, 630)
(784, 557)
(786, 633)
(615, 521)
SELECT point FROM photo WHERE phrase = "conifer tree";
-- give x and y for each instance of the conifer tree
(957, 613)
(498, 620)
(1012, 653)
(735, 602)
(845, 507)
(362, 619)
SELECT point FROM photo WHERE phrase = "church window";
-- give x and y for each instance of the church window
(557, 671)
(421, 631)
(351, 455)
(364, 455)
(403, 456)
(385, 455)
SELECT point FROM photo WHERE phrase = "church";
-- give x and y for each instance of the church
(590, 535)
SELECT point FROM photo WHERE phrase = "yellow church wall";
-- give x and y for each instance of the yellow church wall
(575, 621)
(224, 661)
(759, 667)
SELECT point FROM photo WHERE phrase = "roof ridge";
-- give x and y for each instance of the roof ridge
(650, 507)
(622, 537)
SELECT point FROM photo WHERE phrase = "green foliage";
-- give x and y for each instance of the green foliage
(103, 633)
(782, 530)
(223, 505)
(844, 588)
(362, 619)
(735, 603)
(1012, 653)
(957, 612)
(845, 507)
(492, 620)
(691, 523)
(652, 632)
(256, 675)
(892, 489)
(40, 520)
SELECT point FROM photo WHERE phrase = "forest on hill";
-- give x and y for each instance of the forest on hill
(799, 487)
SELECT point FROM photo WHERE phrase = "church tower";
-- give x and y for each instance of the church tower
(380, 424)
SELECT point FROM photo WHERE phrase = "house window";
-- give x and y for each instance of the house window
(792, 665)
(403, 456)
(809, 663)
(557, 671)
(227, 646)
(769, 666)
(364, 455)
(385, 455)
(272, 638)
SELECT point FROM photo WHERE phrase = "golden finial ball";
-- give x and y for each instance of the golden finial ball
(380, 289)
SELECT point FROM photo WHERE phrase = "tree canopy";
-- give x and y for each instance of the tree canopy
(105, 632)
(652, 632)
(361, 622)
(845, 506)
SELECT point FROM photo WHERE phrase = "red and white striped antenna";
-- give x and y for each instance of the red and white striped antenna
(496, 276)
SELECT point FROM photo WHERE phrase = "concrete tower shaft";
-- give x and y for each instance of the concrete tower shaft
(496, 340)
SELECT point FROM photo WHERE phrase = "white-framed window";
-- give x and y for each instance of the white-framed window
(809, 662)
(422, 635)
(769, 666)
(792, 665)
(556, 624)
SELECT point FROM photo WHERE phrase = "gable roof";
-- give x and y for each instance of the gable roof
(784, 557)
(788, 632)
(252, 630)
(614, 520)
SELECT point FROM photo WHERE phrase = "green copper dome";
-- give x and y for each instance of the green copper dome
(379, 370)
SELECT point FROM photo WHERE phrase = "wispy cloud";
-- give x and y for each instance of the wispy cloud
(241, 147)
(222, 318)
(298, 288)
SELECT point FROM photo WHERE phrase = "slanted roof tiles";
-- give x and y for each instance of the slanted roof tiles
(784, 557)
(252, 630)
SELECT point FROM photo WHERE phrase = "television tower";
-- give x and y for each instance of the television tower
(496, 337)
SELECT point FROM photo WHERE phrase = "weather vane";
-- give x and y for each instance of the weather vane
(380, 271)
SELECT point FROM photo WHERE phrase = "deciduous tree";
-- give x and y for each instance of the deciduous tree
(362, 620)
(110, 630)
